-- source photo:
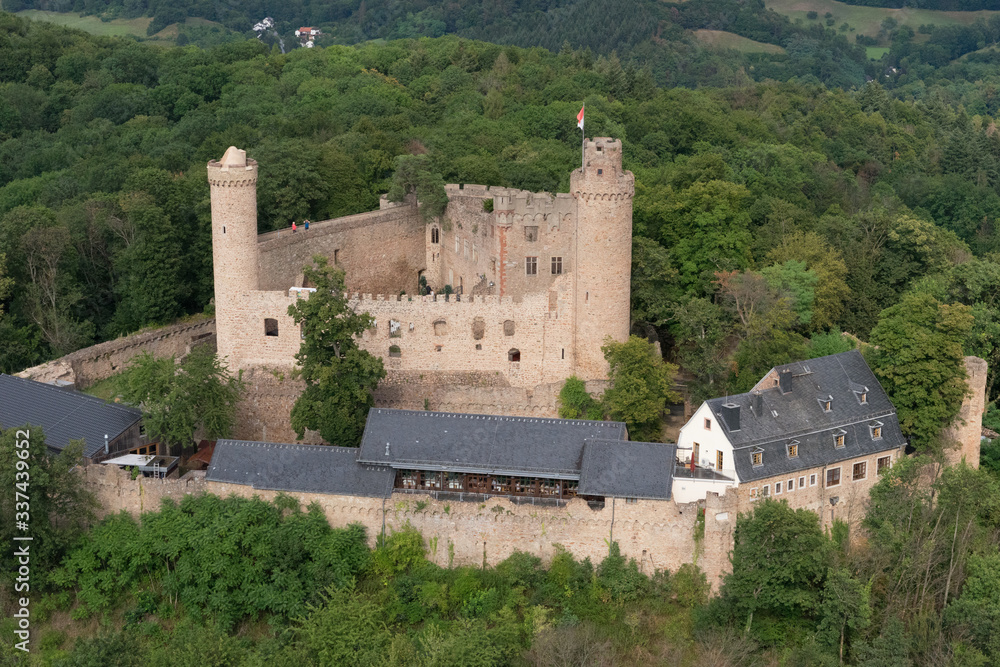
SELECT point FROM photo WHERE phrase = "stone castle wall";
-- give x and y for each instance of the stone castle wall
(98, 362)
(657, 534)
(380, 251)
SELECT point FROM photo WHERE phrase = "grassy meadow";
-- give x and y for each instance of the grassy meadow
(867, 20)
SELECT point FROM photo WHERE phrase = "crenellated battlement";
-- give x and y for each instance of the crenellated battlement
(436, 301)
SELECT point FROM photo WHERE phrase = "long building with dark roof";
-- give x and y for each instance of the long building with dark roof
(460, 454)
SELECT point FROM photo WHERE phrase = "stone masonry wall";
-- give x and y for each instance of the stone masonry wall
(431, 334)
(965, 433)
(658, 534)
(380, 251)
(98, 362)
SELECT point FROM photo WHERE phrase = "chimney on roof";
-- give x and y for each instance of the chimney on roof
(106, 443)
(731, 415)
(785, 381)
(757, 404)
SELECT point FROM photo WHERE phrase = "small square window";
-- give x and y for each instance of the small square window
(765, 490)
(531, 234)
(631, 501)
(833, 477)
(876, 432)
(757, 458)
(708, 424)
(479, 346)
(530, 266)
(802, 482)
(556, 266)
(753, 494)
(793, 450)
(600, 171)
(812, 480)
(790, 485)
(437, 348)
(883, 463)
(860, 471)
(777, 488)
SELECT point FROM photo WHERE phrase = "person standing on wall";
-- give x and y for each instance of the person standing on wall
(307, 225)
(294, 227)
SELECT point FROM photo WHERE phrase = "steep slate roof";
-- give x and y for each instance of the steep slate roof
(627, 469)
(63, 414)
(799, 416)
(487, 444)
(301, 468)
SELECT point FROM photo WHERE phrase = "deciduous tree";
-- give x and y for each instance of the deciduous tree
(340, 377)
(917, 356)
(641, 386)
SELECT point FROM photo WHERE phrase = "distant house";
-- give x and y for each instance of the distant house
(307, 35)
(815, 433)
(463, 456)
(107, 429)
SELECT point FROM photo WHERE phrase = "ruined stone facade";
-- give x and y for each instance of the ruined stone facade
(962, 439)
(540, 280)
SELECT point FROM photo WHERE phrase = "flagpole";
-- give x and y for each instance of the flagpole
(583, 141)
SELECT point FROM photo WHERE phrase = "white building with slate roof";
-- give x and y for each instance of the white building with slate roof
(814, 432)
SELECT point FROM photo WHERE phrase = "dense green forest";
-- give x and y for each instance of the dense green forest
(229, 582)
(845, 200)
(943, 5)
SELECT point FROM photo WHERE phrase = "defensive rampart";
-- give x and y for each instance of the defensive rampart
(98, 362)
(657, 534)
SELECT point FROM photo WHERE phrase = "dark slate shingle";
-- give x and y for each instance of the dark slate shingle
(627, 469)
(488, 444)
(63, 414)
(298, 468)
(799, 416)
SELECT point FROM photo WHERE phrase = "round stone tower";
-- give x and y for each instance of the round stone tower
(604, 193)
(233, 185)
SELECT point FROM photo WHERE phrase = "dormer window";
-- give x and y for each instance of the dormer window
(839, 438)
(862, 395)
(757, 457)
(792, 449)
(876, 430)
(826, 403)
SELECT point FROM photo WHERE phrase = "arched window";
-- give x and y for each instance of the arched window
(435, 235)
(478, 328)
(440, 328)
(513, 354)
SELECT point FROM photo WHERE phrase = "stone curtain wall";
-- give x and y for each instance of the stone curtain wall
(380, 251)
(98, 362)
(657, 534)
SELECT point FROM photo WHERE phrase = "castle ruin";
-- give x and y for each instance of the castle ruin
(540, 280)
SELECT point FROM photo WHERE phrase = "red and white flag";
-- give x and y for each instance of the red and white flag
(579, 118)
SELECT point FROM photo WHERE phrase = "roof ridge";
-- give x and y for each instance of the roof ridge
(466, 415)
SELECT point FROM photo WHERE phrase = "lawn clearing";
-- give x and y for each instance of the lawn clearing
(876, 52)
(867, 20)
(721, 39)
(92, 24)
